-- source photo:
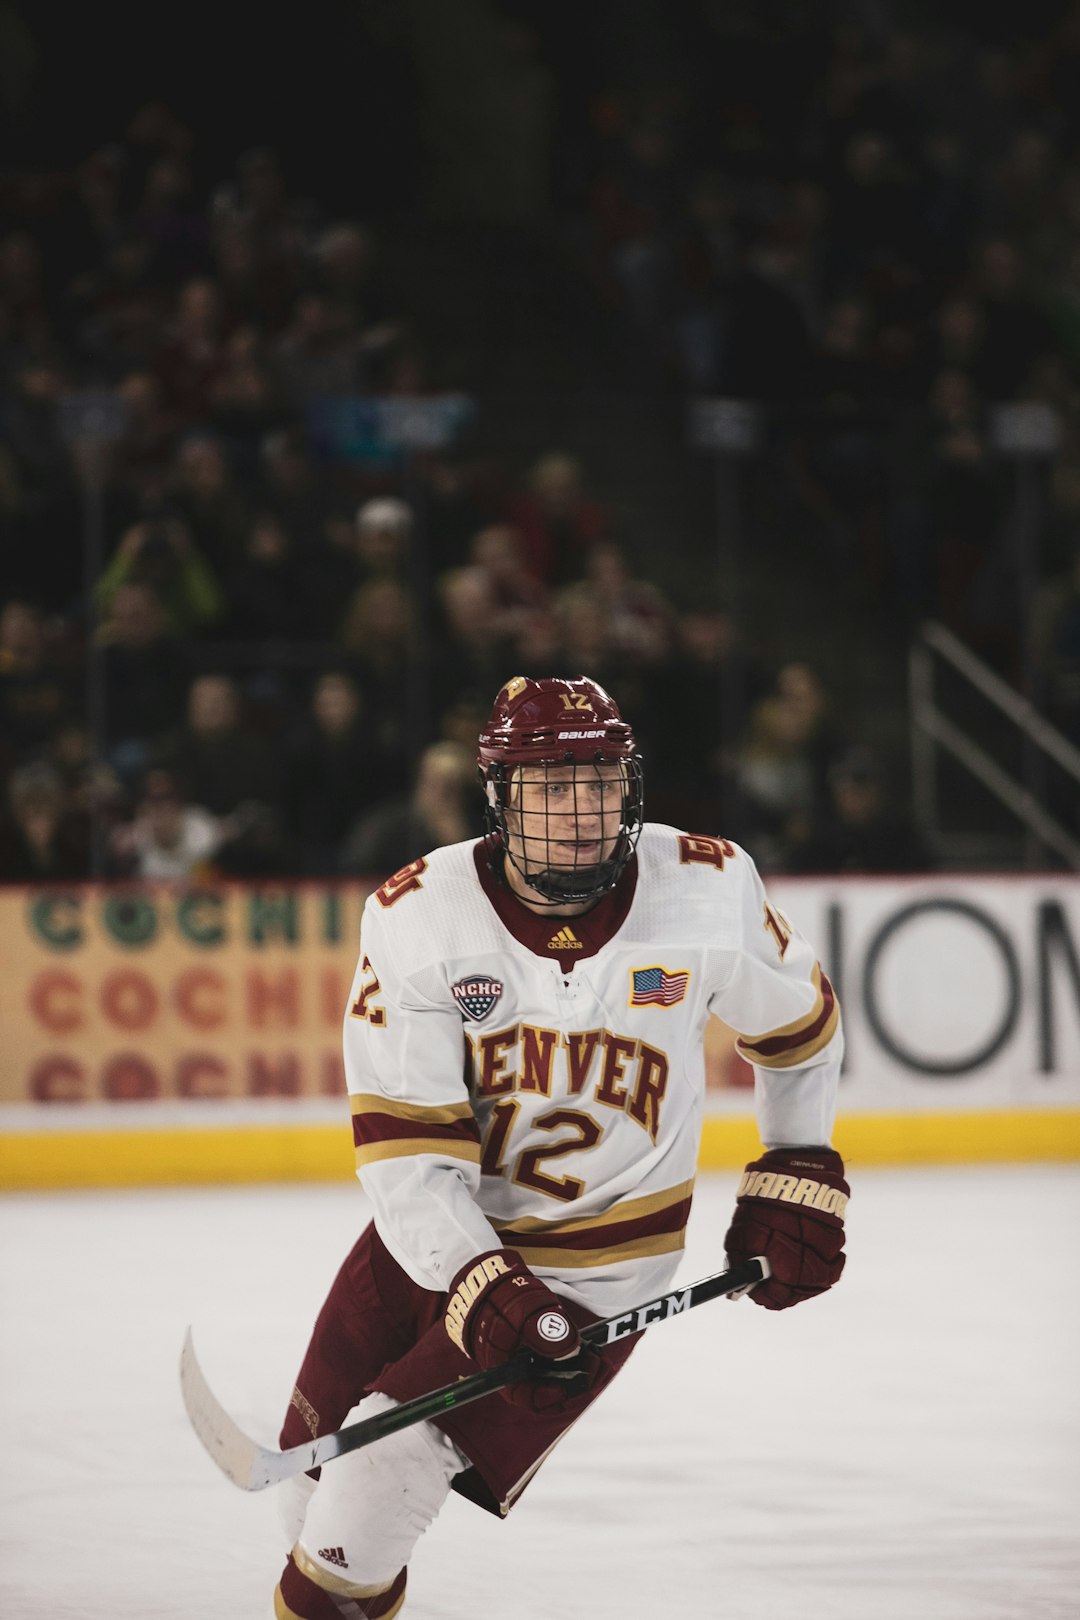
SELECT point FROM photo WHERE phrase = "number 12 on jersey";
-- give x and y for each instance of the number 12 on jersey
(361, 1007)
(525, 1170)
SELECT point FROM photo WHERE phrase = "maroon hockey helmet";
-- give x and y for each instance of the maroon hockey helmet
(551, 724)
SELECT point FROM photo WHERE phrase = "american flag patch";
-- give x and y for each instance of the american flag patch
(656, 987)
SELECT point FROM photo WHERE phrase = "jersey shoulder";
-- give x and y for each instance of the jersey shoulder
(689, 860)
(692, 887)
(433, 909)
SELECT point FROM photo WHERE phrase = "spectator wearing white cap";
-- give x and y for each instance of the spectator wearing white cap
(384, 528)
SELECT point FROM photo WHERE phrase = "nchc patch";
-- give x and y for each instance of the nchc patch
(476, 997)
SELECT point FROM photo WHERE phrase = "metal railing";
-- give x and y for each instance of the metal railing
(932, 729)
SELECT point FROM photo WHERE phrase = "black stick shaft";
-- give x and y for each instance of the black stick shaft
(597, 1334)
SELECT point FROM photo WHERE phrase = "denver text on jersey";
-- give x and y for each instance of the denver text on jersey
(524, 1055)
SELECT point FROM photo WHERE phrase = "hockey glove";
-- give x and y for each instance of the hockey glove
(790, 1208)
(496, 1307)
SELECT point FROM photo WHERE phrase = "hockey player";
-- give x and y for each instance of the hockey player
(524, 1054)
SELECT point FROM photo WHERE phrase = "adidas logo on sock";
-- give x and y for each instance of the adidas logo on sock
(334, 1555)
(564, 940)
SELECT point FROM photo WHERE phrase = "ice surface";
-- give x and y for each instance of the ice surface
(907, 1448)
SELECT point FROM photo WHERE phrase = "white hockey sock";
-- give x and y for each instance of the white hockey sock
(371, 1507)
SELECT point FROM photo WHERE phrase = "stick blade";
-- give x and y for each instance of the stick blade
(235, 1453)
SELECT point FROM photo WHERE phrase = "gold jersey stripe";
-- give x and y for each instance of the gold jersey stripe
(337, 1583)
(796, 1054)
(368, 1102)
(401, 1147)
(631, 1209)
(574, 1259)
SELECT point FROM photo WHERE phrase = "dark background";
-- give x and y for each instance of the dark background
(543, 267)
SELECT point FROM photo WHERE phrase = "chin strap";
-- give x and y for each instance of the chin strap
(583, 883)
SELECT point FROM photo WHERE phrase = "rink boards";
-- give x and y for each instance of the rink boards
(157, 1036)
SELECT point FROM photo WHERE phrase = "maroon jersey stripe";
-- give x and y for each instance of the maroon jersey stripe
(370, 1127)
(773, 1045)
(606, 1236)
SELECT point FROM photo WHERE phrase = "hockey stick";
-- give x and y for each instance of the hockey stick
(253, 1467)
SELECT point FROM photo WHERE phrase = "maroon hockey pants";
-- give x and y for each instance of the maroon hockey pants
(379, 1330)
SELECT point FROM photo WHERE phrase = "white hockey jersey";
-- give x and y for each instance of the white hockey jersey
(539, 1082)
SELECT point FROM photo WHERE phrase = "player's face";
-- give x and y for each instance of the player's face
(563, 817)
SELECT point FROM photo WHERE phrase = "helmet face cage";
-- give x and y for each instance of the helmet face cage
(568, 825)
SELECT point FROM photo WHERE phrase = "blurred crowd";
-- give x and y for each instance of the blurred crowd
(224, 651)
(875, 231)
(305, 761)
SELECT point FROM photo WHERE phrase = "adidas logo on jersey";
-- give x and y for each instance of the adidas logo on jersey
(564, 940)
(334, 1555)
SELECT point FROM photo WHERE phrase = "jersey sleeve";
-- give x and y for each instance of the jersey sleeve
(416, 1137)
(782, 1006)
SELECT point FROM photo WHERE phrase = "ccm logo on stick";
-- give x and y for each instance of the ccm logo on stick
(658, 1310)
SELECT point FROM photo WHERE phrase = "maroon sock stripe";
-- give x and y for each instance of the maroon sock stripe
(298, 1597)
(389, 1602)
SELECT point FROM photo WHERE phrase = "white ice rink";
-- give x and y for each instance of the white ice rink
(907, 1448)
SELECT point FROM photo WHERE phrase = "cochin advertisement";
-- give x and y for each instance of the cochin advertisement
(161, 1034)
(115, 996)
